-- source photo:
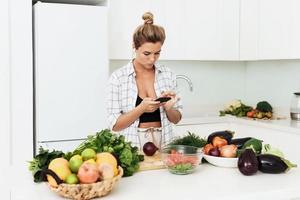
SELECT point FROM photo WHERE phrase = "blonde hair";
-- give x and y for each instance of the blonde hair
(148, 32)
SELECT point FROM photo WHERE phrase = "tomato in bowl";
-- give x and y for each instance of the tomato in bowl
(181, 159)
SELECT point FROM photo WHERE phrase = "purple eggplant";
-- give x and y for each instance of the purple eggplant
(272, 164)
(247, 162)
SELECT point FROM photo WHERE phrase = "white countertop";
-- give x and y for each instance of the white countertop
(281, 124)
(208, 182)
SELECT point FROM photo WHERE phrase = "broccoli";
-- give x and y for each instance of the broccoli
(264, 106)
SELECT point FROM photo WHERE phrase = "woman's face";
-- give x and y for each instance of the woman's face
(148, 53)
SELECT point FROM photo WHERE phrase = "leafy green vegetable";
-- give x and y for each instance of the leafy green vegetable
(191, 140)
(240, 111)
(106, 141)
(268, 149)
(264, 106)
(182, 168)
(41, 162)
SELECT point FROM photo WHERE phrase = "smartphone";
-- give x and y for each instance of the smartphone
(163, 99)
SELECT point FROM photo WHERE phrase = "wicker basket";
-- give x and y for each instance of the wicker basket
(87, 191)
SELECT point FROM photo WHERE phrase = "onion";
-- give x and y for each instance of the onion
(149, 149)
(214, 152)
(228, 151)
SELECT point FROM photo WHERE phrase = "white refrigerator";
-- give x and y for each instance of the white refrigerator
(71, 70)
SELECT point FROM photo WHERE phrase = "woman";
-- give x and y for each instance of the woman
(133, 89)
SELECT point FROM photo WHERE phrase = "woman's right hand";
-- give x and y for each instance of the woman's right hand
(149, 105)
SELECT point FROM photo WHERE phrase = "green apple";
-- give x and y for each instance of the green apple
(75, 162)
(72, 179)
(88, 153)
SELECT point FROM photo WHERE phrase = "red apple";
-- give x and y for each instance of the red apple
(88, 173)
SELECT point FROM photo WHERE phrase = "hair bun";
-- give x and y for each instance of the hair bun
(148, 18)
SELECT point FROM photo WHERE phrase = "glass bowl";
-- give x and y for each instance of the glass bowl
(181, 159)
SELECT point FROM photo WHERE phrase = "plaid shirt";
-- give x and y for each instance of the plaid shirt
(123, 94)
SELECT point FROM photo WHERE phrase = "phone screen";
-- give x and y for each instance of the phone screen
(163, 99)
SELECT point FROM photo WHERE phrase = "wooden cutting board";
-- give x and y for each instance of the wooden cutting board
(152, 162)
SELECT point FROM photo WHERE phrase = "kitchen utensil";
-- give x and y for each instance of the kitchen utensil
(295, 106)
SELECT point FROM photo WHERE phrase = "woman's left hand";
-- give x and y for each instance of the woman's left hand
(169, 104)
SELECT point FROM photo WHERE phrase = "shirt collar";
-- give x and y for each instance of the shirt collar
(130, 68)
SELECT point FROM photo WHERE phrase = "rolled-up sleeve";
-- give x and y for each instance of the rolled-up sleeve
(113, 102)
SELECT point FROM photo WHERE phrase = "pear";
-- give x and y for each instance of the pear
(60, 167)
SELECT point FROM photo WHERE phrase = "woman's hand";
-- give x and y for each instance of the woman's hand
(169, 104)
(149, 105)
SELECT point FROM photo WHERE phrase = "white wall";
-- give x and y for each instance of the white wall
(274, 81)
(5, 96)
(216, 83)
(21, 81)
(16, 119)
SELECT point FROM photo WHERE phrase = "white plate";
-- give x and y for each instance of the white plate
(221, 161)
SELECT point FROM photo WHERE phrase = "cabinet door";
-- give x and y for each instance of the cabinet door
(249, 29)
(124, 17)
(269, 29)
(295, 29)
(212, 29)
(195, 29)
(274, 29)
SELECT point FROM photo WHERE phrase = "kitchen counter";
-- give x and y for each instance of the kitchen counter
(288, 125)
(208, 182)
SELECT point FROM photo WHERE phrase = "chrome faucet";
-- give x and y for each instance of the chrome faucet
(187, 79)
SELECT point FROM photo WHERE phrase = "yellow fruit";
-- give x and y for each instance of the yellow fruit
(90, 161)
(116, 171)
(60, 167)
(106, 171)
(108, 158)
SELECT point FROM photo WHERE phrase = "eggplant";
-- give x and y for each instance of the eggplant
(239, 142)
(227, 135)
(271, 164)
(247, 162)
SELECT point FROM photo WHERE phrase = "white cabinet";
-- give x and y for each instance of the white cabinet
(211, 29)
(195, 29)
(124, 17)
(269, 29)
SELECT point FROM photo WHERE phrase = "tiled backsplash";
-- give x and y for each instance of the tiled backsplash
(216, 83)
